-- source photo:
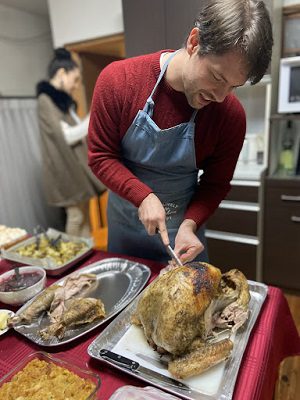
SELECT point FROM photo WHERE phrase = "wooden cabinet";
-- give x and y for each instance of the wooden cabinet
(153, 25)
(281, 204)
(143, 33)
(281, 254)
(93, 56)
(227, 254)
(150, 26)
(233, 234)
(291, 30)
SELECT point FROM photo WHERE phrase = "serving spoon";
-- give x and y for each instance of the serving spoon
(17, 281)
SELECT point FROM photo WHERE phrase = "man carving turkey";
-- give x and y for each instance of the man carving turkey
(158, 119)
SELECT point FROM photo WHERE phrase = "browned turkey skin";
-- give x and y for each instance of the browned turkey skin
(180, 309)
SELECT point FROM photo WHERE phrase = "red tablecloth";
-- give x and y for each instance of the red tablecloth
(273, 338)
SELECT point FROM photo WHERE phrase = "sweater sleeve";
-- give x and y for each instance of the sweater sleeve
(104, 137)
(218, 169)
(74, 134)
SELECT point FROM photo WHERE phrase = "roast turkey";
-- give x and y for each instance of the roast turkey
(180, 311)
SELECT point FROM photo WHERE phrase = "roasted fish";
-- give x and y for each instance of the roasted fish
(40, 304)
(79, 312)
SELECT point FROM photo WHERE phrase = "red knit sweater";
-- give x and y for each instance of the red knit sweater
(121, 90)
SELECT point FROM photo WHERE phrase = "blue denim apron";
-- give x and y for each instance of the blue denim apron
(164, 159)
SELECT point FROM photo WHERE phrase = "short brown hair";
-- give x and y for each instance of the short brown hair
(244, 25)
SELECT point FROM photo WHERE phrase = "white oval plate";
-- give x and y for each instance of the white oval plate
(11, 314)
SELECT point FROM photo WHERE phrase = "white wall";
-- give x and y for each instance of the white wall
(76, 20)
(25, 50)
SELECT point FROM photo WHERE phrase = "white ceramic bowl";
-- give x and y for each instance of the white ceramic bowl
(18, 297)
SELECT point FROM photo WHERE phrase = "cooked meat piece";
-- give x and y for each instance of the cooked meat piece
(201, 359)
(57, 307)
(172, 307)
(234, 300)
(79, 283)
(40, 304)
(53, 298)
(180, 309)
(79, 312)
(73, 286)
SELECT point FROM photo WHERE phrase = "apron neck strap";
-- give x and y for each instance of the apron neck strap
(193, 116)
(163, 70)
(148, 108)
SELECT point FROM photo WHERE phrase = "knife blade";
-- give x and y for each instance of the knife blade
(173, 255)
(171, 252)
(138, 369)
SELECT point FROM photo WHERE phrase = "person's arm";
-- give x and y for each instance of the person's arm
(219, 167)
(104, 137)
(74, 134)
(215, 181)
(105, 156)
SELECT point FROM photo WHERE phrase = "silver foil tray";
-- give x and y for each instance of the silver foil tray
(217, 383)
(52, 269)
(119, 281)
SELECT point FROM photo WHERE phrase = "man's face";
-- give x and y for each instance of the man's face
(211, 78)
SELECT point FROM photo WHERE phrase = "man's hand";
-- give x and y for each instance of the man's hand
(187, 244)
(153, 216)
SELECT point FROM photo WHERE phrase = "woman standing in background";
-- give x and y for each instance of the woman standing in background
(67, 179)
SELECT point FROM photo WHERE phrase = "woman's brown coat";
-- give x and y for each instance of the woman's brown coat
(67, 178)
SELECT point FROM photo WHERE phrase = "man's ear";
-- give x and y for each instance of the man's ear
(193, 44)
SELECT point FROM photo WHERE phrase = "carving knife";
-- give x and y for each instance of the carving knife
(137, 369)
(173, 255)
(171, 252)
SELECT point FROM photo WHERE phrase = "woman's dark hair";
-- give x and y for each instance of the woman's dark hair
(62, 59)
(244, 25)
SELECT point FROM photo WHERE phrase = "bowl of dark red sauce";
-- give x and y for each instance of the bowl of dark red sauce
(21, 284)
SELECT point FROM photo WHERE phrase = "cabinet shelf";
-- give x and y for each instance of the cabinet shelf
(280, 117)
(290, 180)
(281, 233)
(283, 178)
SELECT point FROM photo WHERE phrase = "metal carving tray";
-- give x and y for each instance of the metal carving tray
(119, 281)
(217, 383)
(52, 269)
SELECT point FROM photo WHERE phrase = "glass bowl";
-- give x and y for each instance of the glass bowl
(69, 365)
(20, 296)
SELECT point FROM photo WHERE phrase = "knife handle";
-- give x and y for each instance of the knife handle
(119, 360)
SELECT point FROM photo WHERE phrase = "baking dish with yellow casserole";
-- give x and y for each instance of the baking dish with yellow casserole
(41, 376)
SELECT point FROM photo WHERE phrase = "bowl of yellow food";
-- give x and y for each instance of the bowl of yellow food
(42, 376)
(20, 284)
